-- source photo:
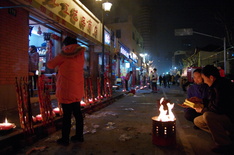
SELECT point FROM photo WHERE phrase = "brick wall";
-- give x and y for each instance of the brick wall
(13, 52)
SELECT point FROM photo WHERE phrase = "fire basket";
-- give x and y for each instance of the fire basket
(164, 126)
(164, 133)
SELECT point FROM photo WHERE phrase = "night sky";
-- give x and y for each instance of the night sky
(204, 16)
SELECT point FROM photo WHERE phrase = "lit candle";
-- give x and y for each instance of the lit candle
(82, 103)
(56, 110)
(6, 125)
(39, 117)
(90, 100)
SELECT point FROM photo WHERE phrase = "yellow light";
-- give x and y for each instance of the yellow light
(106, 6)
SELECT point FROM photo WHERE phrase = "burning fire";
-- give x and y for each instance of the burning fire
(166, 115)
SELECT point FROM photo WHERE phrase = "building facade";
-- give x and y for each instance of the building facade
(45, 24)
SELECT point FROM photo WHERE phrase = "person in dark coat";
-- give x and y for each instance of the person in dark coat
(217, 114)
(160, 80)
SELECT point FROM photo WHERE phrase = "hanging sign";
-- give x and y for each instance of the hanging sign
(72, 14)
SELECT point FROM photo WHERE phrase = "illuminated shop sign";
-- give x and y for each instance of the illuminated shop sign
(134, 57)
(107, 37)
(124, 52)
(72, 14)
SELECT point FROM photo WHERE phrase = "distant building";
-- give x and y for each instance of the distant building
(130, 44)
(143, 23)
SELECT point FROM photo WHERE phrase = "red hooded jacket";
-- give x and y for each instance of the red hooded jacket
(70, 80)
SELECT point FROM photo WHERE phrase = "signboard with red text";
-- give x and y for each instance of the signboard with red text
(71, 14)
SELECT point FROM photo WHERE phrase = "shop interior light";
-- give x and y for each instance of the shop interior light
(143, 54)
(127, 65)
(106, 6)
(35, 32)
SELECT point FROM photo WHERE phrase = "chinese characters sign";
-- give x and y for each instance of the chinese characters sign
(70, 13)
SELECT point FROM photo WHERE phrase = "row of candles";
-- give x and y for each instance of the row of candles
(8, 126)
(56, 111)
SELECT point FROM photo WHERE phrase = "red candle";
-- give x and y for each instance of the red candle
(56, 110)
(6, 125)
(39, 117)
(82, 103)
(90, 100)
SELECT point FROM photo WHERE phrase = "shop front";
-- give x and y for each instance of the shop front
(125, 65)
(43, 24)
(135, 69)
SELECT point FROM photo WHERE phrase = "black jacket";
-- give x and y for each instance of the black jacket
(221, 98)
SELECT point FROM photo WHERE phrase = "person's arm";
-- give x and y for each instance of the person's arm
(53, 63)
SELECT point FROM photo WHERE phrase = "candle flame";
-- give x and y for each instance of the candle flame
(6, 121)
(82, 103)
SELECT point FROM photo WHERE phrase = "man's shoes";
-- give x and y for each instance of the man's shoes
(77, 139)
(63, 142)
(222, 148)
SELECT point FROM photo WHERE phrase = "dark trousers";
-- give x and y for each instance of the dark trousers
(126, 85)
(154, 86)
(190, 114)
(33, 82)
(68, 110)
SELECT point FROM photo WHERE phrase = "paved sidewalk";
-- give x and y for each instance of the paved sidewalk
(125, 128)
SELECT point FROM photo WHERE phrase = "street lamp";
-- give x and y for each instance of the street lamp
(189, 31)
(106, 6)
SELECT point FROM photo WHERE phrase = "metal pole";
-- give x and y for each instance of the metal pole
(224, 49)
(224, 55)
(103, 53)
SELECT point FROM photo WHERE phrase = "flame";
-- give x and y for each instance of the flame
(165, 115)
(161, 100)
(82, 103)
(171, 116)
(91, 100)
(6, 121)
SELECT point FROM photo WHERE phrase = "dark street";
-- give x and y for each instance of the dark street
(125, 128)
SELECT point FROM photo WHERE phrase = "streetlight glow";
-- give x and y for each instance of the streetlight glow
(106, 6)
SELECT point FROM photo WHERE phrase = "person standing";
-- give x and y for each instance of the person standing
(160, 80)
(154, 79)
(217, 115)
(164, 81)
(221, 71)
(33, 65)
(70, 87)
(127, 77)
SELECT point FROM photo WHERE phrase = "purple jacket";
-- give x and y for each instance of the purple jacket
(201, 91)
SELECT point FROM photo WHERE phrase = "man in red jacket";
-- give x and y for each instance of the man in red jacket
(70, 87)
